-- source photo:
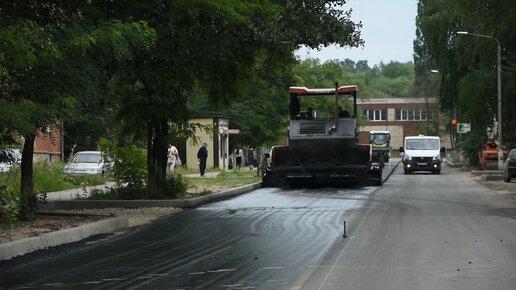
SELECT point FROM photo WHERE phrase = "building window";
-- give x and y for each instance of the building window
(375, 115)
(413, 115)
(417, 114)
(401, 114)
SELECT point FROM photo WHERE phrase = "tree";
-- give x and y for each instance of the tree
(40, 85)
(467, 64)
(46, 72)
(216, 46)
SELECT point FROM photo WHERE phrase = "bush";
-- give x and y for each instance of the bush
(175, 186)
(9, 206)
(470, 145)
(129, 165)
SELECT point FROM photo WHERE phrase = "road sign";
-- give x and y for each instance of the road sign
(463, 128)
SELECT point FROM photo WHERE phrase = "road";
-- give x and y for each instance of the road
(425, 231)
(418, 231)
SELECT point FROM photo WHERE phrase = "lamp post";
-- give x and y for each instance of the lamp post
(499, 65)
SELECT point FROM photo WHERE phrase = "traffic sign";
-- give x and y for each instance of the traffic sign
(463, 128)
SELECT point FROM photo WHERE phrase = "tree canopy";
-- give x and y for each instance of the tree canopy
(467, 63)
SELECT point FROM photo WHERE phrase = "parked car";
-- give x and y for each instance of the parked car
(87, 162)
(8, 158)
(509, 166)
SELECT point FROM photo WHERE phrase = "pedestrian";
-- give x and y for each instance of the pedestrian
(72, 151)
(238, 156)
(202, 155)
(172, 156)
(251, 159)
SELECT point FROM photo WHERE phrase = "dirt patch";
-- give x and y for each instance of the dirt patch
(43, 224)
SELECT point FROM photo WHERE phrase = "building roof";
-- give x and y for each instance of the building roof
(397, 101)
(325, 91)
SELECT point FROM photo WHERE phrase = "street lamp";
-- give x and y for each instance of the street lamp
(499, 65)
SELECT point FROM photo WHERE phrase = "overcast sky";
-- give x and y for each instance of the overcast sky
(388, 30)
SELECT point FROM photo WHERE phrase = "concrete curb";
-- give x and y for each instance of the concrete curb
(182, 203)
(491, 177)
(24, 246)
(109, 225)
(78, 192)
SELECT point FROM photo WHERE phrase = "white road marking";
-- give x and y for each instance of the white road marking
(221, 270)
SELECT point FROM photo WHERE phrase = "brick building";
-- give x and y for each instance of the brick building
(401, 116)
(48, 145)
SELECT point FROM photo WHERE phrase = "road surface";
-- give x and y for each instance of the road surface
(418, 231)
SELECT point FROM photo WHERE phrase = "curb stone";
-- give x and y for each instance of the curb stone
(28, 245)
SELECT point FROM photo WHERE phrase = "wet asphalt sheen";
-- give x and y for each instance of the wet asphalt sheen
(418, 231)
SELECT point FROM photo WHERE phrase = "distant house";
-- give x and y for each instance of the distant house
(400, 116)
(217, 140)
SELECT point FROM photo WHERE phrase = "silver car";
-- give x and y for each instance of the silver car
(86, 162)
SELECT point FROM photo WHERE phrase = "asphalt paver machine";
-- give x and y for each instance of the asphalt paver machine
(323, 149)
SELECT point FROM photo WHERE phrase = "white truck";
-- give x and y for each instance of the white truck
(422, 153)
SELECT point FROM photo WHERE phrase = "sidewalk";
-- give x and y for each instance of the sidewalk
(206, 175)
(83, 192)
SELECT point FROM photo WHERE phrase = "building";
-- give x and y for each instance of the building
(401, 116)
(48, 145)
(217, 140)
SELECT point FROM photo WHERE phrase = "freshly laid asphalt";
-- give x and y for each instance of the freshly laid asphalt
(67, 200)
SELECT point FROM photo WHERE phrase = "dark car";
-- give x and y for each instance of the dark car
(509, 166)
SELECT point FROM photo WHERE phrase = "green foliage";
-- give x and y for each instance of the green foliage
(175, 186)
(48, 178)
(9, 206)
(109, 195)
(470, 145)
(393, 80)
(129, 164)
(467, 63)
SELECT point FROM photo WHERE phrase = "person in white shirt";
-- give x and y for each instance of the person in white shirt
(172, 156)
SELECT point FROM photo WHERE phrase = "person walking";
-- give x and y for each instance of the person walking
(238, 156)
(251, 158)
(172, 156)
(202, 155)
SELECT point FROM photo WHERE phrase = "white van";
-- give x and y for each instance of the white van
(422, 153)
